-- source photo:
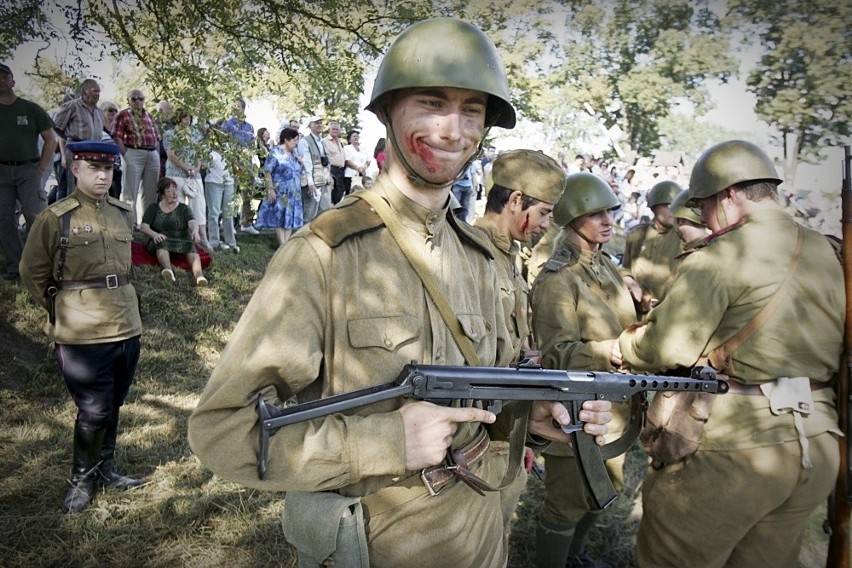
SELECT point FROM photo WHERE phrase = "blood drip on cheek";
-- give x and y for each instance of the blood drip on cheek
(424, 152)
(526, 224)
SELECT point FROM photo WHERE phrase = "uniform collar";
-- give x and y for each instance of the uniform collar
(412, 214)
(585, 257)
(86, 200)
(502, 242)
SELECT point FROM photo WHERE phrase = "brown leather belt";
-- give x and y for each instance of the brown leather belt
(146, 148)
(110, 281)
(435, 478)
(754, 390)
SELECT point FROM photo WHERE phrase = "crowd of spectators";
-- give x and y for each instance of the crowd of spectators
(227, 191)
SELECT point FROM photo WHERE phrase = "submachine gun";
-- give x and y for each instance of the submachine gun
(442, 384)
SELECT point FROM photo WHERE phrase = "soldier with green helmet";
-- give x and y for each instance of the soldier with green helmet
(580, 304)
(342, 308)
(651, 247)
(748, 301)
(690, 228)
(688, 223)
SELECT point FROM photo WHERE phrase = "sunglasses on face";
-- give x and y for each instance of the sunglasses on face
(137, 98)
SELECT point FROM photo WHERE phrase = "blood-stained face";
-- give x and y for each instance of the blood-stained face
(531, 222)
(438, 129)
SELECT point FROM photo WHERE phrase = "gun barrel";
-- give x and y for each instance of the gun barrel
(439, 382)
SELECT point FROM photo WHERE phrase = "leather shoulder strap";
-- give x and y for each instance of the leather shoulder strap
(721, 357)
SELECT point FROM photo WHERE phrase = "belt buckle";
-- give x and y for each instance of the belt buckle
(432, 491)
(112, 281)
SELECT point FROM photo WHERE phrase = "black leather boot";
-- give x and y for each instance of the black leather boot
(87, 448)
(107, 468)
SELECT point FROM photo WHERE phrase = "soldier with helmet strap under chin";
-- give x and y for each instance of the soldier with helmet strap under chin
(77, 265)
(579, 304)
(342, 308)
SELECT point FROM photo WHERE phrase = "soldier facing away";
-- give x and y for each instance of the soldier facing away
(748, 301)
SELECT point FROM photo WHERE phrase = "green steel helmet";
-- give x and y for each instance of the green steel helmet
(663, 193)
(681, 208)
(584, 194)
(727, 164)
(446, 52)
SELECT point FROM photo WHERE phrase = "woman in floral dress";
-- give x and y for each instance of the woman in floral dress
(282, 170)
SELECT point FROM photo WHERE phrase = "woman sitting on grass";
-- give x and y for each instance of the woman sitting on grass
(170, 228)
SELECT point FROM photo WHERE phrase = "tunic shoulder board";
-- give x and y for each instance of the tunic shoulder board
(471, 235)
(119, 203)
(349, 218)
(691, 247)
(64, 206)
(560, 259)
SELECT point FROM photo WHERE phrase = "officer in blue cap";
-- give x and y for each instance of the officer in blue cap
(77, 264)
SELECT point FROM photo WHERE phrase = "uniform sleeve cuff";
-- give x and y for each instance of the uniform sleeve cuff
(377, 445)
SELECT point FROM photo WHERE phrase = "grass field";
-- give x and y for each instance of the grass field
(184, 516)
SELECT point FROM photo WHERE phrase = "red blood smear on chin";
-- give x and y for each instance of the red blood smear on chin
(425, 153)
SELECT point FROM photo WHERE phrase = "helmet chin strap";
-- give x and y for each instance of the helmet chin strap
(413, 176)
(721, 217)
(593, 245)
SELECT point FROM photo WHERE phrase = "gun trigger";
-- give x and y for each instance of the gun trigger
(571, 428)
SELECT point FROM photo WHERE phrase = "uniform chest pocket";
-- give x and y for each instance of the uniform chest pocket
(123, 237)
(83, 240)
(474, 326)
(387, 332)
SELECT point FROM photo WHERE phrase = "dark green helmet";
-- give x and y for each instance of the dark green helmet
(446, 52)
(663, 193)
(727, 164)
(681, 208)
(584, 194)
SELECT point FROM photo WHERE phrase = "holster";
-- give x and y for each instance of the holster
(50, 293)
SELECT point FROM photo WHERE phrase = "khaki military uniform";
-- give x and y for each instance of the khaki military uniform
(340, 309)
(746, 482)
(99, 239)
(513, 288)
(649, 256)
(578, 302)
(515, 295)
